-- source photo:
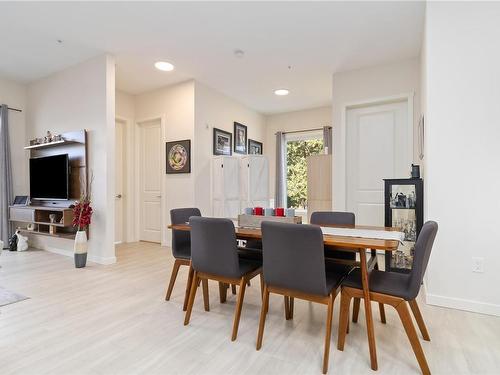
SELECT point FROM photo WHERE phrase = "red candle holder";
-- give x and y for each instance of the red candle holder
(259, 211)
(280, 211)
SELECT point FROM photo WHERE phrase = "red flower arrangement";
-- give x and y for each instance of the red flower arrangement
(82, 212)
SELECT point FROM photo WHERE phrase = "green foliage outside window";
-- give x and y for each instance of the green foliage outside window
(297, 152)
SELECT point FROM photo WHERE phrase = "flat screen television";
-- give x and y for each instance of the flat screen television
(49, 177)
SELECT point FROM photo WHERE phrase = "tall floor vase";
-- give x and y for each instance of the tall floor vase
(81, 249)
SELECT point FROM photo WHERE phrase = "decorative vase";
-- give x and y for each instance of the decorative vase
(81, 249)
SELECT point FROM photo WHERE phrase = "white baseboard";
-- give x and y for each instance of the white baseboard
(463, 304)
(102, 260)
(69, 253)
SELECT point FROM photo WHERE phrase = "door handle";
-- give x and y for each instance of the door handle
(118, 196)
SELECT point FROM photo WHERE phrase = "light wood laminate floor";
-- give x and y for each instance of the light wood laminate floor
(114, 320)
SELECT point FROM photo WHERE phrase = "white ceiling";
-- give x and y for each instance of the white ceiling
(315, 39)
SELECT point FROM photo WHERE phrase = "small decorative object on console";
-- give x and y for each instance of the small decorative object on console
(22, 242)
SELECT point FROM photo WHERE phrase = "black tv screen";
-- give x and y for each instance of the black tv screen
(49, 177)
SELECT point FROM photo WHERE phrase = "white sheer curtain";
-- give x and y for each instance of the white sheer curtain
(5, 175)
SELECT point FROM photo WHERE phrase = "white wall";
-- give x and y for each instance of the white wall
(215, 110)
(367, 84)
(298, 120)
(462, 153)
(14, 95)
(82, 97)
(124, 105)
(175, 104)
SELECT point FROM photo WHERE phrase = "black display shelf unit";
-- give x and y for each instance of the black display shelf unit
(404, 209)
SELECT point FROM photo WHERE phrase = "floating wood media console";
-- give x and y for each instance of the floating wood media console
(37, 212)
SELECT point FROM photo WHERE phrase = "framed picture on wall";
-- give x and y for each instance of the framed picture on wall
(178, 156)
(255, 147)
(240, 138)
(222, 142)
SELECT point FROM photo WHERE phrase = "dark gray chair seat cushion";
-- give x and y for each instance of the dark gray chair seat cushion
(181, 240)
(392, 283)
(250, 254)
(214, 248)
(247, 265)
(183, 251)
(294, 259)
(335, 275)
(335, 218)
(401, 285)
(254, 244)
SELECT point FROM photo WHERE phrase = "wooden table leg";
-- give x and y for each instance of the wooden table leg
(368, 310)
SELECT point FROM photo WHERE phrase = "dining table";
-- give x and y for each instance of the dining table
(347, 242)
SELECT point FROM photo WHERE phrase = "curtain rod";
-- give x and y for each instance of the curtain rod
(305, 130)
(14, 109)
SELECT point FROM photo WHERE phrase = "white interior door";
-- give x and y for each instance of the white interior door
(379, 145)
(150, 181)
(119, 201)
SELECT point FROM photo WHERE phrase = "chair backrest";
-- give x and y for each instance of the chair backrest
(421, 256)
(293, 257)
(213, 246)
(335, 218)
(181, 239)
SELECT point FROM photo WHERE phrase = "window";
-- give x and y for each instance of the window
(298, 147)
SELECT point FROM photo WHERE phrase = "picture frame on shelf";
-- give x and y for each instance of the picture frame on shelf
(240, 138)
(255, 147)
(222, 142)
(178, 155)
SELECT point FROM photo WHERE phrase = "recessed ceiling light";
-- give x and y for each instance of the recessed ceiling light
(281, 92)
(164, 66)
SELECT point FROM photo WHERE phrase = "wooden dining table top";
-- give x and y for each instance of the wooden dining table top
(341, 242)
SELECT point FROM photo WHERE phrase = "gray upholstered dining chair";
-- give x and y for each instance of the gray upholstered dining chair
(395, 289)
(343, 219)
(214, 256)
(181, 250)
(294, 266)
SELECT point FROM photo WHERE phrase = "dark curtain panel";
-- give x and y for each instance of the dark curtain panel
(5, 176)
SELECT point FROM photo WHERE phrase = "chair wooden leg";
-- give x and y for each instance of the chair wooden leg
(188, 288)
(233, 289)
(173, 276)
(287, 307)
(405, 317)
(382, 312)
(419, 319)
(222, 292)
(263, 313)
(239, 305)
(192, 294)
(345, 302)
(355, 310)
(328, 337)
(206, 301)
(290, 307)
(262, 286)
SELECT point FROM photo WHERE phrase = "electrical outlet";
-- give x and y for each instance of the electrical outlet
(477, 264)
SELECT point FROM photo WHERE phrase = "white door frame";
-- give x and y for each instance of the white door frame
(128, 197)
(163, 205)
(339, 198)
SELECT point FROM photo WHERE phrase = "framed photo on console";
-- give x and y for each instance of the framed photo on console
(179, 156)
(255, 147)
(240, 138)
(222, 142)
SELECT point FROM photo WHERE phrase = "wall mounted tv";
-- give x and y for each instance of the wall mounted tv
(49, 177)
